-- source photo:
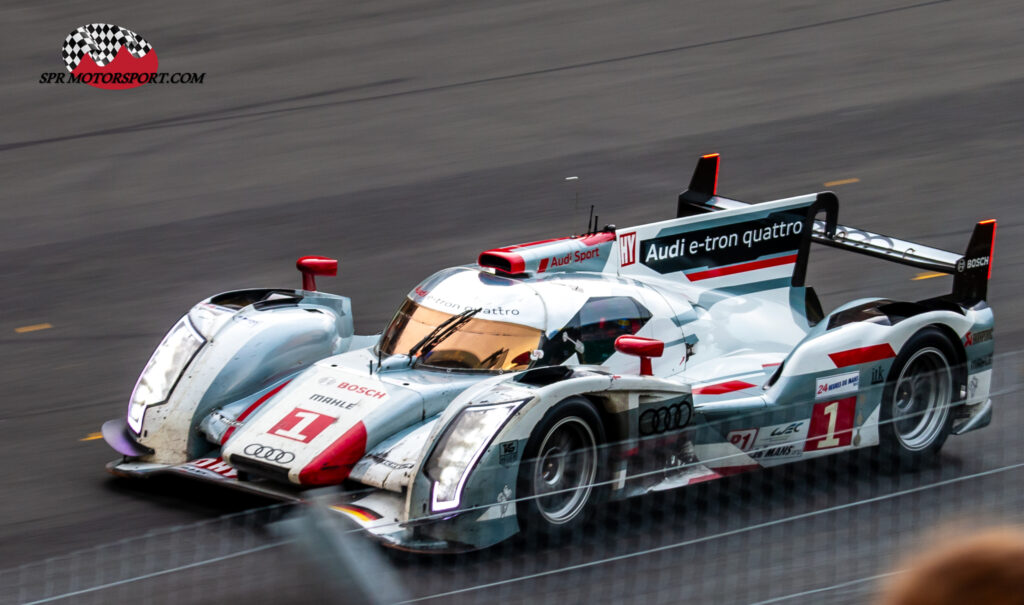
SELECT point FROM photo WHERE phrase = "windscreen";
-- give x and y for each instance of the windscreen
(476, 344)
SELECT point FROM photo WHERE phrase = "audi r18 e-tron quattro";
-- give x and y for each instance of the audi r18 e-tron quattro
(518, 391)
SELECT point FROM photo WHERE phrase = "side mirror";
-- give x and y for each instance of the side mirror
(311, 266)
(644, 348)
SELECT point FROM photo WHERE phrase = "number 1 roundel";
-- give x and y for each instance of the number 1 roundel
(302, 425)
(831, 424)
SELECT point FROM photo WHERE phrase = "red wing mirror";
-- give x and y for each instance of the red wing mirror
(311, 266)
(644, 348)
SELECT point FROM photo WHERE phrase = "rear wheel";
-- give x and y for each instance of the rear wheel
(917, 402)
(562, 463)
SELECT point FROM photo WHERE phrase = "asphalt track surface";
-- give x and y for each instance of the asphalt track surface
(402, 137)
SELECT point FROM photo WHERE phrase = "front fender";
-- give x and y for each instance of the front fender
(268, 336)
(487, 511)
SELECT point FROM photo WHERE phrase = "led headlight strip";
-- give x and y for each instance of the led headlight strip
(459, 448)
(163, 370)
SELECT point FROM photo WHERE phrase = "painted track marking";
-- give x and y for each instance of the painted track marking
(32, 328)
(842, 182)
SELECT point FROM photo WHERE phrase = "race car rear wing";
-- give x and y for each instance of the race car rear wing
(971, 270)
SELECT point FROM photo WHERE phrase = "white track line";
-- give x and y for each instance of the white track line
(725, 534)
(805, 593)
(157, 573)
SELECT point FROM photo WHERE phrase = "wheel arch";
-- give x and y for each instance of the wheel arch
(960, 363)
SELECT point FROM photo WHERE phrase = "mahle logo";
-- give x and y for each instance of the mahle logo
(100, 49)
(112, 57)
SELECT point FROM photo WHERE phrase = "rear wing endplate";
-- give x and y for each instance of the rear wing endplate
(971, 270)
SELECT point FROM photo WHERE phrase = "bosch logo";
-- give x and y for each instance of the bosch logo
(971, 263)
(362, 390)
(270, 454)
(666, 418)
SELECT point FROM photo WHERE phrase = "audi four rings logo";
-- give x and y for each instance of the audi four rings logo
(270, 454)
(666, 418)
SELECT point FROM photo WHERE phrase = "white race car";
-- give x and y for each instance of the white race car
(518, 391)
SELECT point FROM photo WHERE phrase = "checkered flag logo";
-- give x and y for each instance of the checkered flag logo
(101, 41)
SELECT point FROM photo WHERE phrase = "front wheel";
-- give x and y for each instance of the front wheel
(561, 467)
(917, 402)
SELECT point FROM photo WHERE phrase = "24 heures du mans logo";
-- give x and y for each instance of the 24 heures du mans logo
(112, 57)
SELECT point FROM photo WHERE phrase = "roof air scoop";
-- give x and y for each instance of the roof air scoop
(590, 252)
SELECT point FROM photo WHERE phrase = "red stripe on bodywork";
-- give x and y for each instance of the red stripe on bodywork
(252, 408)
(742, 267)
(597, 238)
(725, 471)
(853, 357)
(722, 387)
(333, 465)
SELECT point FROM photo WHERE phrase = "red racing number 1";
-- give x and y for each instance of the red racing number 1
(831, 424)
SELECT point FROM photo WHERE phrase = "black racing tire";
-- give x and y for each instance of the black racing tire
(564, 455)
(917, 402)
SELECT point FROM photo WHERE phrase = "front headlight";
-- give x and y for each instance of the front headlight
(161, 373)
(458, 449)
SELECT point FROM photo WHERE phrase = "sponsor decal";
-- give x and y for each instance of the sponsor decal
(363, 390)
(301, 425)
(971, 263)
(459, 307)
(205, 466)
(838, 384)
(577, 256)
(743, 438)
(270, 454)
(338, 403)
(363, 514)
(665, 418)
(504, 496)
(831, 424)
(228, 420)
(877, 375)
(384, 461)
(976, 338)
(783, 431)
(508, 452)
(787, 432)
(779, 451)
(112, 57)
(972, 387)
(725, 245)
(981, 362)
(627, 249)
